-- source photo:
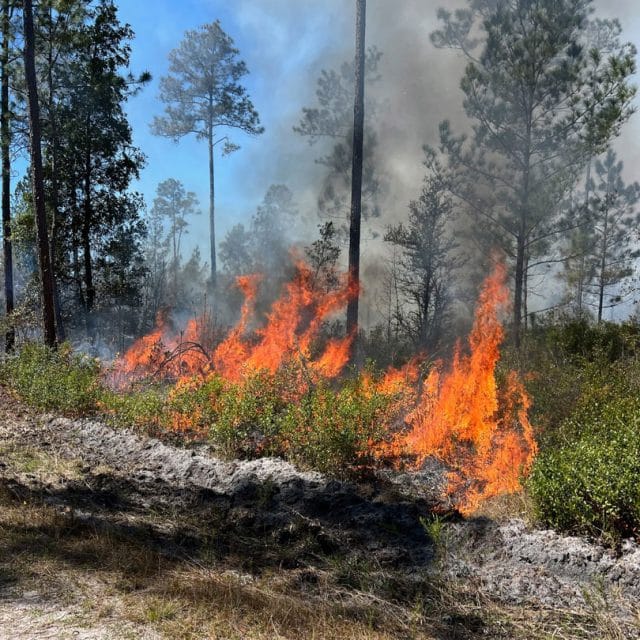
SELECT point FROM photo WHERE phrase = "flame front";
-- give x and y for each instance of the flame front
(459, 415)
(293, 325)
(462, 419)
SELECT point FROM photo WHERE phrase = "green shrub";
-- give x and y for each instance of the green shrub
(579, 340)
(334, 430)
(590, 484)
(572, 364)
(246, 416)
(59, 380)
(144, 408)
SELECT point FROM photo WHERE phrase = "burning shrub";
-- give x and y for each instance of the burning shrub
(54, 380)
(283, 414)
(464, 419)
(272, 388)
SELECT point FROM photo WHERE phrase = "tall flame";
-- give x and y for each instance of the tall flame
(293, 325)
(459, 415)
(462, 419)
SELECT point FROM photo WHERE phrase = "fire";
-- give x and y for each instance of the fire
(484, 436)
(293, 325)
(163, 352)
(459, 415)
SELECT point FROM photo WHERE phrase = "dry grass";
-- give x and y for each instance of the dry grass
(113, 575)
(506, 507)
(44, 548)
(31, 460)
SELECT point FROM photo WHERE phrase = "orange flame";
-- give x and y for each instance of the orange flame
(459, 415)
(485, 437)
(231, 354)
(293, 325)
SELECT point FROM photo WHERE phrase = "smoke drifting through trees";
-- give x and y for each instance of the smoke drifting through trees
(414, 88)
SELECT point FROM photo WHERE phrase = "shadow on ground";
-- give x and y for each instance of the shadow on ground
(144, 531)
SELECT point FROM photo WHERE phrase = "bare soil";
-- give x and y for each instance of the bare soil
(107, 533)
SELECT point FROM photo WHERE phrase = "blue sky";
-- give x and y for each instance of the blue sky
(285, 43)
(282, 43)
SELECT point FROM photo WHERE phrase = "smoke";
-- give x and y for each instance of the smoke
(418, 88)
(286, 44)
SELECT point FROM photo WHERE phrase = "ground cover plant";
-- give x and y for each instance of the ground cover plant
(585, 479)
(283, 389)
(583, 416)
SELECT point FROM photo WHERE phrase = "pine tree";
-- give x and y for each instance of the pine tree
(541, 103)
(37, 179)
(5, 150)
(614, 220)
(175, 204)
(356, 174)
(203, 94)
(427, 259)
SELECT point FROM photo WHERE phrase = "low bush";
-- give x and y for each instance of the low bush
(571, 364)
(333, 430)
(247, 416)
(330, 428)
(143, 408)
(590, 483)
(59, 380)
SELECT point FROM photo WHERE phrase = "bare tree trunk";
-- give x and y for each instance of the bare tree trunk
(356, 173)
(55, 223)
(603, 260)
(75, 242)
(174, 243)
(5, 144)
(583, 258)
(525, 293)
(518, 290)
(212, 219)
(521, 239)
(37, 178)
(90, 291)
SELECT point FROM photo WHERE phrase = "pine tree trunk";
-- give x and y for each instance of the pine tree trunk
(356, 173)
(75, 251)
(86, 255)
(55, 222)
(521, 238)
(518, 290)
(5, 145)
(583, 250)
(37, 178)
(212, 220)
(603, 260)
(175, 252)
(90, 291)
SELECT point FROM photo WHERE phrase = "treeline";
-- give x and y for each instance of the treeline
(530, 177)
(63, 98)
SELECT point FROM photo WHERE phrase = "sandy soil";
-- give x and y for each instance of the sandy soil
(266, 516)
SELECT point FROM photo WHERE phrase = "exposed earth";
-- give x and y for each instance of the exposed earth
(107, 533)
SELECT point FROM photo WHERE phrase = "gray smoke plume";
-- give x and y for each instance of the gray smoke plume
(419, 87)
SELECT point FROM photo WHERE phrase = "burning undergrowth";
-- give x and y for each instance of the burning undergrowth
(277, 388)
